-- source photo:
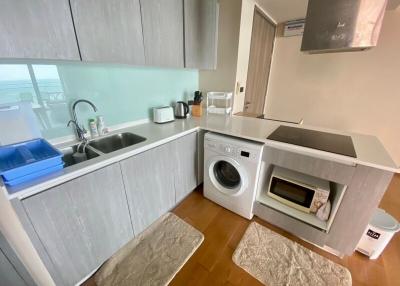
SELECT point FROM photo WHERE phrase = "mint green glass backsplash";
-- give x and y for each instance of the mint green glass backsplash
(121, 93)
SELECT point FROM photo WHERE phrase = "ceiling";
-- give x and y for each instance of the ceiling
(284, 10)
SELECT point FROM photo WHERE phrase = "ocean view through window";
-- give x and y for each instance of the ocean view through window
(40, 85)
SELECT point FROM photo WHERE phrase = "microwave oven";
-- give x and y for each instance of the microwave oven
(300, 191)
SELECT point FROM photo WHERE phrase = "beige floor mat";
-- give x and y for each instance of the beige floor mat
(154, 257)
(275, 260)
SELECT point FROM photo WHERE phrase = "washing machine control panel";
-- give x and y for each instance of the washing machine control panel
(228, 149)
(232, 150)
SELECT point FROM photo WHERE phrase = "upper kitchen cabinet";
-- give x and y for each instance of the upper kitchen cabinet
(109, 31)
(163, 32)
(201, 33)
(38, 29)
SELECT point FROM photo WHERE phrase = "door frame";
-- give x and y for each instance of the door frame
(266, 17)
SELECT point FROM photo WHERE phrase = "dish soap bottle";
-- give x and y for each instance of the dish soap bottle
(93, 128)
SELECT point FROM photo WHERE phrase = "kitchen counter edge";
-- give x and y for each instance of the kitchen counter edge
(246, 128)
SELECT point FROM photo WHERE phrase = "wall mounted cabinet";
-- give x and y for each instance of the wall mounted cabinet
(201, 33)
(163, 32)
(37, 30)
(140, 32)
(109, 31)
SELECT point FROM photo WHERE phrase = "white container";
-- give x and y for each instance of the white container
(379, 232)
(101, 126)
(93, 128)
(219, 102)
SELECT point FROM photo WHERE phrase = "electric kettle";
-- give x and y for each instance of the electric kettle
(181, 109)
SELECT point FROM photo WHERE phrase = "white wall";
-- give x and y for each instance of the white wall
(13, 231)
(355, 91)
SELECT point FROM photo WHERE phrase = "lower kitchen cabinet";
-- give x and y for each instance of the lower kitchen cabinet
(363, 189)
(8, 274)
(81, 223)
(12, 271)
(149, 185)
(159, 178)
(78, 225)
(185, 152)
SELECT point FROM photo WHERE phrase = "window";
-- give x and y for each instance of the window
(48, 82)
(41, 86)
(16, 84)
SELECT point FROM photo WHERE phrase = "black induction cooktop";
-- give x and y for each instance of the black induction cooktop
(329, 142)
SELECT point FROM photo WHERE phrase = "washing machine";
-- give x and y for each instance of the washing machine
(231, 172)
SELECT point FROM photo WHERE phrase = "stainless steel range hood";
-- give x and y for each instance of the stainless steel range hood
(342, 25)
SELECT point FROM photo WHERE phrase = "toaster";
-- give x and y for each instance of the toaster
(163, 114)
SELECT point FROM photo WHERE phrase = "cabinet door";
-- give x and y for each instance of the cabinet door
(163, 32)
(38, 29)
(149, 184)
(83, 222)
(109, 31)
(12, 271)
(8, 274)
(186, 165)
(201, 33)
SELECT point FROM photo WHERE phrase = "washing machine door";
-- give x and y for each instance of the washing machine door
(227, 175)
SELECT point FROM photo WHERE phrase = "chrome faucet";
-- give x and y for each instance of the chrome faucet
(80, 129)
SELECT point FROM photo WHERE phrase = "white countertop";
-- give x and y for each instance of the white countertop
(155, 134)
(369, 150)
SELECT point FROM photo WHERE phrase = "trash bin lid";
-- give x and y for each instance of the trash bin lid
(384, 221)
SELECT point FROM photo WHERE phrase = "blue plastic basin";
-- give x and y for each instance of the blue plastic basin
(33, 176)
(28, 158)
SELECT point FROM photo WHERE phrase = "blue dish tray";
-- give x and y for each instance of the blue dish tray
(33, 176)
(28, 158)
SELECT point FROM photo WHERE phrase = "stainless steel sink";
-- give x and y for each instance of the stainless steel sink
(70, 160)
(116, 142)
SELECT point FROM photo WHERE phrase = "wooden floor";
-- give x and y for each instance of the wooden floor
(212, 263)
